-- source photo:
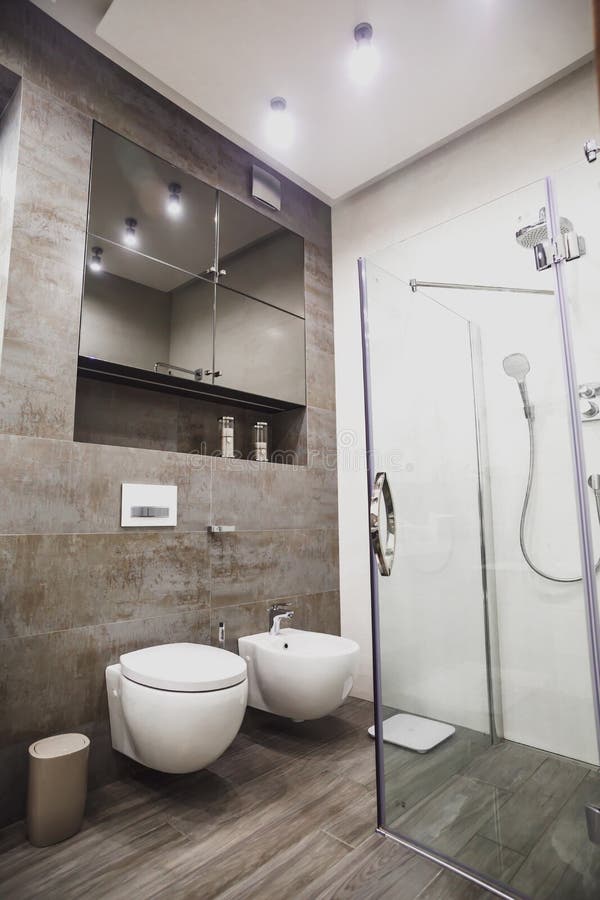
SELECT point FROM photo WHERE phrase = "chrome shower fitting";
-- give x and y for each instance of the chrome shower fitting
(568, 246)
(589, 394)
(516, 365)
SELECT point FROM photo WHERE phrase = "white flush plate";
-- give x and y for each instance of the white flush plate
(414, 732)
(148, 505)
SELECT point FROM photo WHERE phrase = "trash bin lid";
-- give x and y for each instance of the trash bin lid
(59, 745)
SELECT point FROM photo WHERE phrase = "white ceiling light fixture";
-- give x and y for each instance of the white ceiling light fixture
(130, 235)
(364, 59)
(174, 201)
(280, 126)
(96, 259)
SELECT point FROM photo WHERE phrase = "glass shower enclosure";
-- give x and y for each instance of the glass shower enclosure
(481, 345)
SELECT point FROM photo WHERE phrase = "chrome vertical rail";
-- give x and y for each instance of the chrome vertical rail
(366, 360)
(577, 450)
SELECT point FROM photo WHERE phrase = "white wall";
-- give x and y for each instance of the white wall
(542, 134)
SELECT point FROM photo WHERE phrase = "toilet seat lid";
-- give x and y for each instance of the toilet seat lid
(184, 667)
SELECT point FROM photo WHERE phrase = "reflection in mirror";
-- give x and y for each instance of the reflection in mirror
(140, 200)
(139, 312)
(260, 258)
(259, 348)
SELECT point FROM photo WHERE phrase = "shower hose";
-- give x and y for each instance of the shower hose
(526, 500)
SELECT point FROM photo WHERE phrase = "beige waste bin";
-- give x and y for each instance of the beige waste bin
(57, 787)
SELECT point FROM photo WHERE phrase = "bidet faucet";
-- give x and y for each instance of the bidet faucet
(277, 621)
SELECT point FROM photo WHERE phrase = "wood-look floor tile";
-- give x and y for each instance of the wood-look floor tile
(289, 873)
(356, 824)
(352, 755)
(379, 868)
(481, 855)
(564, 864)
(506, 765)
(70, 869)
(253, 839)
(522, 820)
(410, 776)
(447, 819)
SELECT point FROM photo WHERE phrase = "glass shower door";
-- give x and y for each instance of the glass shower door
(436, 660)
(486, 740)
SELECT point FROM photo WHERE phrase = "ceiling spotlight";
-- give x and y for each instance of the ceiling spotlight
(364, 60)
(280, 127)
(130, 236)
(96, 259)
(174, 201)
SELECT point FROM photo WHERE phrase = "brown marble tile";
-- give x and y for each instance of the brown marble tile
(53, 582)
(321, 437)
(320, 368)
(50, 218)
(318, 281)
(316, 612)
(256, 497)
(46, 265)
(56, 139)
(123, 416)
(60, 486)
(37, 382)
(37, 673)
(265, 565)
(248, 618)
(288, 437)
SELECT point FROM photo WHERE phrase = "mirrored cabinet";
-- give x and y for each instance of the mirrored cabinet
(187, 289)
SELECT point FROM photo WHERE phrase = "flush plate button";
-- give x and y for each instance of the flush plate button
(148, 505)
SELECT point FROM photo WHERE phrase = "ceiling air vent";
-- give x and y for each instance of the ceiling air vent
(266, 188)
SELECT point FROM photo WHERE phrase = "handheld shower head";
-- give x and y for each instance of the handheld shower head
(516, 366)
(594, 483)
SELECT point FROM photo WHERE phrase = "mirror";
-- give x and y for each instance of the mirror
(260, 258)
(129, 183)
(139, 312)
(151, 299)
(260, 347)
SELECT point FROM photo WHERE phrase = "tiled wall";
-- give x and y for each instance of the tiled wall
(75, 590)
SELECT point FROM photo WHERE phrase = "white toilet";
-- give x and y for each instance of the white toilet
(176, 707)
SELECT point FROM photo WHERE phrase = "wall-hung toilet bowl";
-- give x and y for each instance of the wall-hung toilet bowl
(176, 707)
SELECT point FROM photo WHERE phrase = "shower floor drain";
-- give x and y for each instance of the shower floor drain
(414, 732)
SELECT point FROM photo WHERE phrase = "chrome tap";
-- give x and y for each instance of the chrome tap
(276, 608)
(277, 621)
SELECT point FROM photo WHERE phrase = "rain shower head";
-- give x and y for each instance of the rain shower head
(516, 366)
(530, 235)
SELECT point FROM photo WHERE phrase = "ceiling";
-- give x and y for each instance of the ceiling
(446, 65)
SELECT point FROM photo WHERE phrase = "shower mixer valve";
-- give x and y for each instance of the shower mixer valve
(590, 405)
